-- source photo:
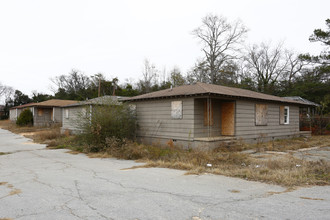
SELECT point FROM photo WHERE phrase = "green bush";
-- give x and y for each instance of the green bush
(106, 121)
(25, 118)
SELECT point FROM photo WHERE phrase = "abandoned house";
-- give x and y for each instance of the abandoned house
(206, 115)
(74, 114)
(44, 113)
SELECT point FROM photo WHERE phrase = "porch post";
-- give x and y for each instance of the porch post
(53, 114)
(208, 115)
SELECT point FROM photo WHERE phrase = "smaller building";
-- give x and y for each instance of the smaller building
(74, 114)
(44, 113)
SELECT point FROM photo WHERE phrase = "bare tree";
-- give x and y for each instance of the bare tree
(149, 74)
(5, 92)
(75, 83)
(295, 66)
(265, 65)
(221, 41)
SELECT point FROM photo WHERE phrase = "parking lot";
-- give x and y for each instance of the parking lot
(38, 183)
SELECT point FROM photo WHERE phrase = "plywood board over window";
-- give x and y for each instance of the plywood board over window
(261, 114)
(40, 112)
(208, 113)
(176, 110)
(228, 118)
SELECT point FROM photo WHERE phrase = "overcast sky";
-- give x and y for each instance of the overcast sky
(43, 39)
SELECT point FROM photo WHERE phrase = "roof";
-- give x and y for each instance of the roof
(48, 103)
(298, 98)
(23, 106)
(211, 89)
(97, 101)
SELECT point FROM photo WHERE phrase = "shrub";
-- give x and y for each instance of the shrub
(105, 121)
(25, 118)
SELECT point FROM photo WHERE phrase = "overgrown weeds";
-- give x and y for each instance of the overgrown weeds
(285, 170)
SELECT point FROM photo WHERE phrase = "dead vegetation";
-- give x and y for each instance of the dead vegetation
(280, 168)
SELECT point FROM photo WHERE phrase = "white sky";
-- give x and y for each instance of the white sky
(42, 39)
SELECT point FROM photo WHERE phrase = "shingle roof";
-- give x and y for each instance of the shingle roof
(298, 98)
(48, 103)
(23, 106)
(98, 100)
(211, 89)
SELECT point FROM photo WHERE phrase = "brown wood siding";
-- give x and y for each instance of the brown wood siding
(245, 123)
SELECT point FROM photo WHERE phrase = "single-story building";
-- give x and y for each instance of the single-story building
(74, 114)
(206, 115)
(44, 113)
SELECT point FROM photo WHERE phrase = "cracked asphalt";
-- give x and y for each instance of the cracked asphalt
(38, 183)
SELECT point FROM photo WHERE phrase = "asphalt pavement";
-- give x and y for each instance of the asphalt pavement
(38, 183)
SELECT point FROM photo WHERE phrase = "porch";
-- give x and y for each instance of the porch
(214, 120)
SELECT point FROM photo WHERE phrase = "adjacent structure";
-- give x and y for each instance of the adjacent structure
(44, 113)
(73, 114)
(206, 115)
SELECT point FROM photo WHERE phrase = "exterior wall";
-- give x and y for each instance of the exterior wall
(157, 126)
(44, 119)
(71, 124)
(57, 115)
(12, 114)
(155, 121)
(248, 131)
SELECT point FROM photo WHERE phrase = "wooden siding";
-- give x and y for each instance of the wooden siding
(42, 116)
(154, 119)
(73, 122)
(247, 129)
(58, 115)
(12, 114)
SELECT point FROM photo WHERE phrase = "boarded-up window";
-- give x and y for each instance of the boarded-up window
(40, 112)
(208, 113)
(261, 114)
(176, 109)
(66, 113)
(284, 115)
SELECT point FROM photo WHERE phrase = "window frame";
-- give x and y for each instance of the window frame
(67, 113)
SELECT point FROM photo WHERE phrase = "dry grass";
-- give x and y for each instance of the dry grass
(44, 135)
(15, 191)
(284, 170)
(292, 144)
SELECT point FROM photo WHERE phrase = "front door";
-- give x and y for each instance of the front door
(228, 118)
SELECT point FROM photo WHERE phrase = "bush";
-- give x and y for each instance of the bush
(25, 118)
(105, 121)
